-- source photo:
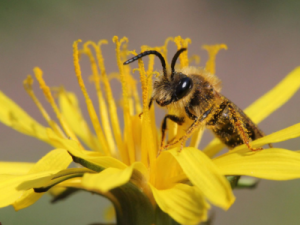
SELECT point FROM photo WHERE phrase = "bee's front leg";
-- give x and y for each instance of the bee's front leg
(195, 124)
(175, 119)
(149, 107)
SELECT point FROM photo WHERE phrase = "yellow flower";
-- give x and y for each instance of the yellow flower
(124, 165)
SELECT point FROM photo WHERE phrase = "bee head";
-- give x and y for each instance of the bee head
(168, 89)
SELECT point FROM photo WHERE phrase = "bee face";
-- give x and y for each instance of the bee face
(167, 91)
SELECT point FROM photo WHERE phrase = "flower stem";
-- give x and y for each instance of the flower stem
(134, 207)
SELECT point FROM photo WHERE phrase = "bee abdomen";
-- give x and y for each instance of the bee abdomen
(224, 127)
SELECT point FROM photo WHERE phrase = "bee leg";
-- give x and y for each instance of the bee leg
(150, 103)
(176, 119)
(190, 130)
(184, 137)
(149, 106)
(240, 127)
(195, 124)
(171, 141)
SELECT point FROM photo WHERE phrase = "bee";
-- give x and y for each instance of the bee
(195, 94)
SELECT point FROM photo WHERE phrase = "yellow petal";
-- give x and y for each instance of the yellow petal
(62, 142)
(48, 182)
(57, 159)
(273, 163)
(183, 203)
(95, 162)
(279, 136)
(275, 98)
(71, 111)
(205, 175)
(13, 116)
(92, 160)
(213, 147)
(265, 105)
(15, 168)
(12, 188)
(169, 173)
(72, 183)
(8, 187)
(28, 198)
(107, 179)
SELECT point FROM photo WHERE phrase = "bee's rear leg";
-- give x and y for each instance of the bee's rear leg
(238, 124)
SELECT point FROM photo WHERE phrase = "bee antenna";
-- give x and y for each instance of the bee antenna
(162, 60)
(175, 57)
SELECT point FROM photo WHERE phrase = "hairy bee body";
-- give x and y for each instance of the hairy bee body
(194, 94)
(227, 121)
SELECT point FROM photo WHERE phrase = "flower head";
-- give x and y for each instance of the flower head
(124, 165)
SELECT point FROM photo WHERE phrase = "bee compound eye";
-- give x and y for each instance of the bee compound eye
(184, 86)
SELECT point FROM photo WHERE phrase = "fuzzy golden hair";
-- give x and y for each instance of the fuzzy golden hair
(163, 88)
(210, 78)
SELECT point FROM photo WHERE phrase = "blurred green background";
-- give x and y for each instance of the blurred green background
(263, 38)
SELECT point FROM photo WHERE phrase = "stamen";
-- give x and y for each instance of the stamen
(89, 103)
(212, 52)
(195, 58)
(127, 123)
(137, 101)
(183, 43)
(112, 76)
(148, 147)
(111, 103)
(27, 83)
(150, 89)
(69, 105)
(151, 59)
(102, 104)
(165, 50)
(131, 81)
(39, 76)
